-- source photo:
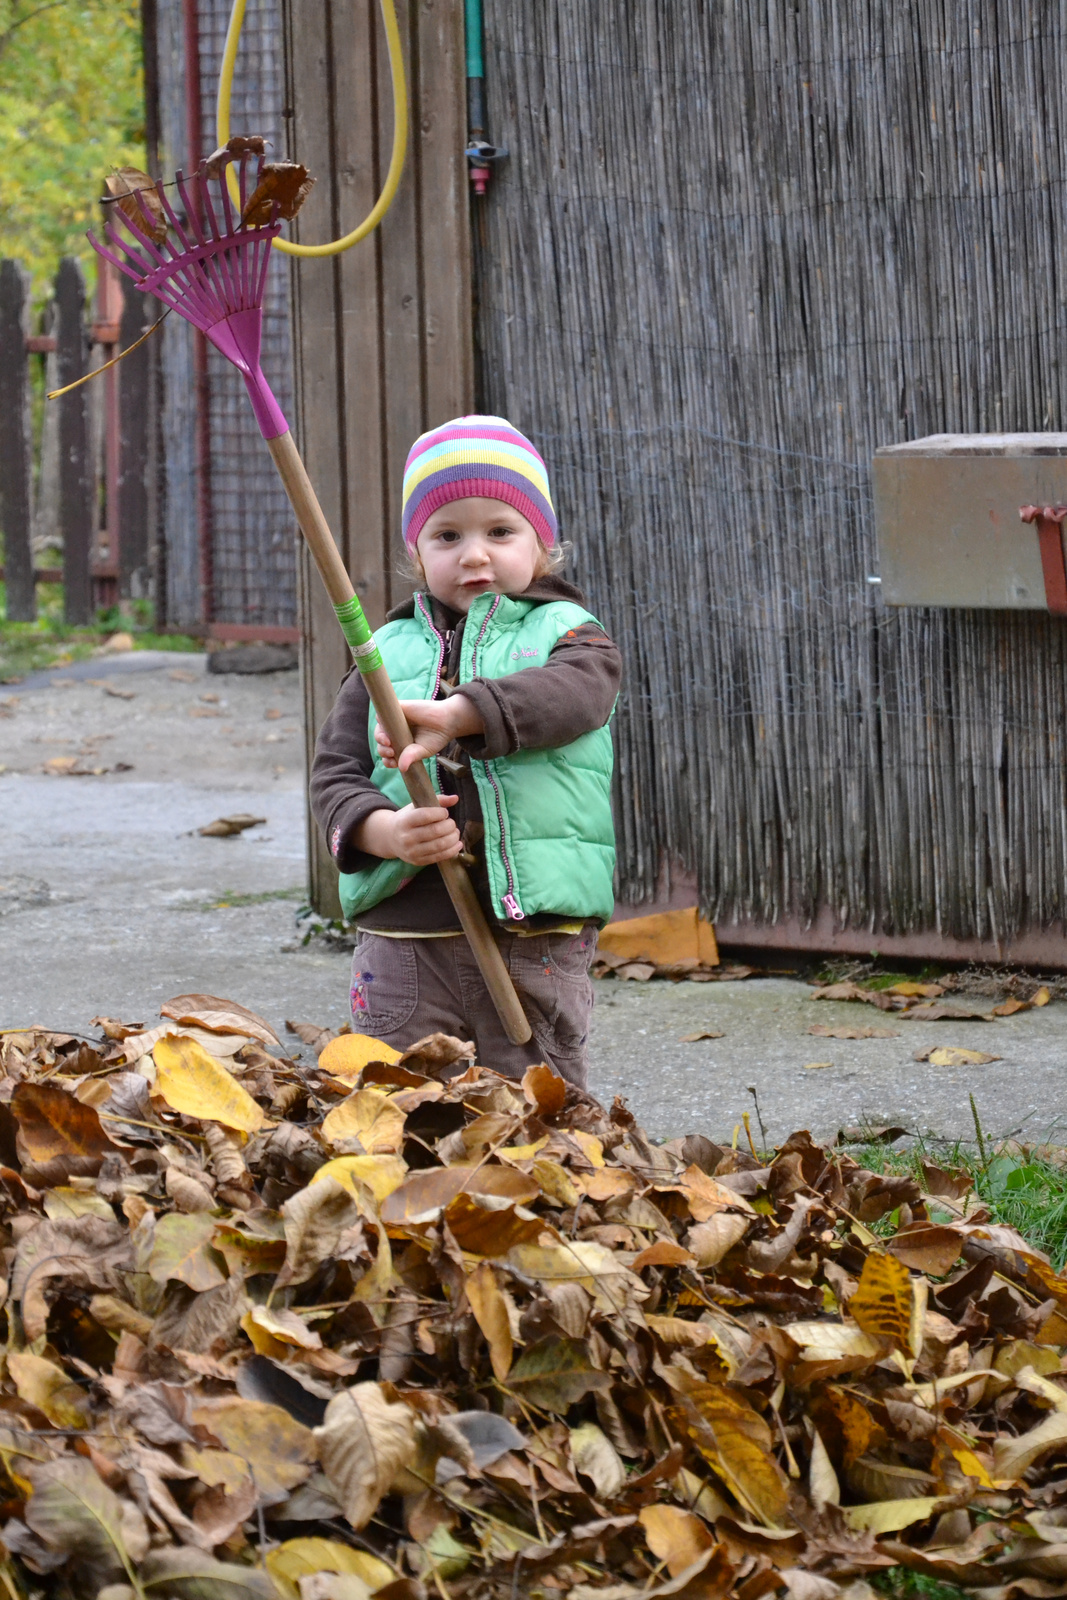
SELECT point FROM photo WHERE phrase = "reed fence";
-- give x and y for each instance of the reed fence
(734, 249)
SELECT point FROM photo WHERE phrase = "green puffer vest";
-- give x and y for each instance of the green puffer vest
(549, 840)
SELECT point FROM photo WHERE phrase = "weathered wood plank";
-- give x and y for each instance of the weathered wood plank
(75, 476)
(16, 443)
(370, 324)
(135, 422)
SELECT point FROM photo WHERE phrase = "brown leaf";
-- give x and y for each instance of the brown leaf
(704, 1033)
(225, 827)
(282, 189)
(927, 1247)
(675, 1536)
(218, 1016)
(364, 1443)
(53, 1123)
(233, 150)
(544, 1089)
(424, 1196)
(136, 195)
(664, 1253)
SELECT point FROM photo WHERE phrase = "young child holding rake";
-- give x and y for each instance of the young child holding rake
(508, 683)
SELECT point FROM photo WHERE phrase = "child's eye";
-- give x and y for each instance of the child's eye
(501, 533)
(446, 535)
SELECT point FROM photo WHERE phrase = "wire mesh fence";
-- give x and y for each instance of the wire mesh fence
(734, 249)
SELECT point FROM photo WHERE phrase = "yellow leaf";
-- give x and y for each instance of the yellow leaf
(191, 1081)
(890, 1516)
(882, 1305)
(66, 1202)
(286, 1326)
(594, 1150)
(1041, 997)
(556, 1182)
(972, 1467)
(369, 1116)
(349, 1053)
(523, 1152)
(380, 1174)
(181, 1248)
(675, 1536)
(301, 1558)
(828, 1340)
(215, 1468)
(44, 1385)
(277, 1448)
(374, 1286)
(737, 1443)
(582, 1261)
(491, 1314)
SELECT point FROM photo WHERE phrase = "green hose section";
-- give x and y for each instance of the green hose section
(356, 630)
(473, 15)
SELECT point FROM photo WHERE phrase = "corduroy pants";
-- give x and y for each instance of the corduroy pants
(404, 988)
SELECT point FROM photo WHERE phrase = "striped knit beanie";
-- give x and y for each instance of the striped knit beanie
(483, 456)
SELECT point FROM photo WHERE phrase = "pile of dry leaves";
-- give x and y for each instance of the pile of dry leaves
(396, 1325)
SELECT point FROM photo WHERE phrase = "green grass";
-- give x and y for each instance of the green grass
(1024, 1188)
(899, 1583)
(27, 647)
(228, 899)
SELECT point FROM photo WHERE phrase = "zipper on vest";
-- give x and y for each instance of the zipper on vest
(512, 908)
(440, 648)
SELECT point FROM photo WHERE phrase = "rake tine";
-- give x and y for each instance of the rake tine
(109, 255)
(136, 266)
(142, 239)
(227, 271)
(205, 265)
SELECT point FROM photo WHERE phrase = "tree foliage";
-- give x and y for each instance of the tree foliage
(71, 107)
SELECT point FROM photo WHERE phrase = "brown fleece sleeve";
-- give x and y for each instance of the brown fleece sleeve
(554, 704)
(341, 791)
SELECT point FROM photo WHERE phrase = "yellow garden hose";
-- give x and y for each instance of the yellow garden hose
(400, 130)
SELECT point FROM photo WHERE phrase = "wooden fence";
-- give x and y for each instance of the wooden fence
(87, 491)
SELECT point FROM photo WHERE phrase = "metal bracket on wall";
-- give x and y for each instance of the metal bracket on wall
(1049, 521)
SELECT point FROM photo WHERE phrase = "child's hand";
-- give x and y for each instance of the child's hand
(434, 723)
(419, 835)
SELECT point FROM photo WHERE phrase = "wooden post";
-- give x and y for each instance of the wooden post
(75, 500)
(135, 410)
(382, 334)
(16, 443)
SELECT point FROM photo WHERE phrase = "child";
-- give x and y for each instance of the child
(509, 682)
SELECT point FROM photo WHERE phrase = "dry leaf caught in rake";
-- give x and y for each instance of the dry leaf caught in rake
(284, 185)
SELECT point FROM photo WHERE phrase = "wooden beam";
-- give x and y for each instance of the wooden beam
(16, 444)
(382, 334)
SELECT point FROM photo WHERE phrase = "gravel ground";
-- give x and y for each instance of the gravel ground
(110, 902)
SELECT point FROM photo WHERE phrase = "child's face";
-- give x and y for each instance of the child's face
(477, 546)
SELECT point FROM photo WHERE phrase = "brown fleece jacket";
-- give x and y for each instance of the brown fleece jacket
(572, 693)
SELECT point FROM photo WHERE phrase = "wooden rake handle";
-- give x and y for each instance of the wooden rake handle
(383, 696)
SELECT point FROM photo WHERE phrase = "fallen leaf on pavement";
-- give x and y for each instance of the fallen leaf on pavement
(226, 827)
(950, 1056)
(704, 1033)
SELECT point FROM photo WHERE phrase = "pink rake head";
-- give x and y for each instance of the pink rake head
(216, 279)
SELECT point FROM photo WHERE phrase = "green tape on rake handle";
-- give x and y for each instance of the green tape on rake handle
(356, 630)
